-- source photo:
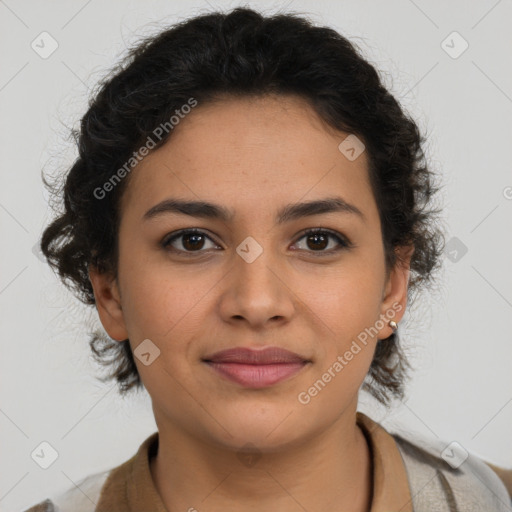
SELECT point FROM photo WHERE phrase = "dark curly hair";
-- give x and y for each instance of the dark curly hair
(241, 53)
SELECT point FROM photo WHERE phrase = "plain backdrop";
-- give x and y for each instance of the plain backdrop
(458, 337)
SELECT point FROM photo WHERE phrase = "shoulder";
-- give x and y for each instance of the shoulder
(442, 472)
(80, 498)
(99, 489)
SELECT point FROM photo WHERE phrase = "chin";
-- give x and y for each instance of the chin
(269, 429)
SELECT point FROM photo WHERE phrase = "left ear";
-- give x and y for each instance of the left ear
(394, 298)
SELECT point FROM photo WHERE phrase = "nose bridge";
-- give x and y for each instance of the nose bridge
(257, 292)
(255, 266)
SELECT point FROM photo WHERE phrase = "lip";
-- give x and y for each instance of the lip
(256, 368)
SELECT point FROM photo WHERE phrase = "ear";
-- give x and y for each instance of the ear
(108, 303)
(394, 298)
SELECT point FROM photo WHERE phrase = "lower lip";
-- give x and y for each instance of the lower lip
(257, 375)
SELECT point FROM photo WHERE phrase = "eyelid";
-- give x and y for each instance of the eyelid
(332, 232)
(343, 241)
(168, 239)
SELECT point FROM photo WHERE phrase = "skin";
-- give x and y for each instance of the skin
(253, 156)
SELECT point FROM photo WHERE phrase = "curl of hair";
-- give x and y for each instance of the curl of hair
(242, 53)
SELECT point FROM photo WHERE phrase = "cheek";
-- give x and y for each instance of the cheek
(162, 306)
(167, 311)
(346, 302)
(345, 348)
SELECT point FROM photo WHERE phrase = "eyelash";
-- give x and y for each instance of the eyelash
(342, 240)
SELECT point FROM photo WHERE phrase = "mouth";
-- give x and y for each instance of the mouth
(256, 368)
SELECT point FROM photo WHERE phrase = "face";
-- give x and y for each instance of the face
(254, 278)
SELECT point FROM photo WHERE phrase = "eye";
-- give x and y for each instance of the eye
(190, 240)
(193, 241)
(318, 240)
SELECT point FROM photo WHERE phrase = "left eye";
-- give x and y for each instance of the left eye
(318, 240)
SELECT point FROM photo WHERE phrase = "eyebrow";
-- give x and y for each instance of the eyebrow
(289, 212)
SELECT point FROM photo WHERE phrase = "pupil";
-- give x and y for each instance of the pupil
(315, 237)
(193, 245)
(193, 241)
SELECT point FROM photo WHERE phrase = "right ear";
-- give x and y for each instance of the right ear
(108, 303)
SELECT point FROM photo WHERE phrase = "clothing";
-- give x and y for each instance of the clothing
(407, 477)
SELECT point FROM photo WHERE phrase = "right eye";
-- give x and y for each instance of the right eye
(190, 240)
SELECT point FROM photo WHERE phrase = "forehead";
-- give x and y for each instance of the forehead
(250, 152)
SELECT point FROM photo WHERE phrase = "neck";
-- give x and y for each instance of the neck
(329, 472)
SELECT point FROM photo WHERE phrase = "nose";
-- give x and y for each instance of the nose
(257, 292)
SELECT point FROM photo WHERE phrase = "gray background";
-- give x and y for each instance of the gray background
(458, 338)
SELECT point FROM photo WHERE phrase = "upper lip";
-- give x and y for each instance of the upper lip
(242, 355)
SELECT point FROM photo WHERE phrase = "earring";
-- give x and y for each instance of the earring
(393, 325)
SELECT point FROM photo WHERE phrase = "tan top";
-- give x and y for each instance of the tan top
(401, 469)
(391, 490)
(130, 487)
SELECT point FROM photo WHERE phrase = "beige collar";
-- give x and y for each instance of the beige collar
(390, 483)
(130, 486)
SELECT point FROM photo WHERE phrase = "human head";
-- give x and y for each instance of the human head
(241, 55)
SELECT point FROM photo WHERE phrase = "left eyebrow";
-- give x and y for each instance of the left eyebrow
(288, 213)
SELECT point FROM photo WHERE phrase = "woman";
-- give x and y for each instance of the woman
(249, 213)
